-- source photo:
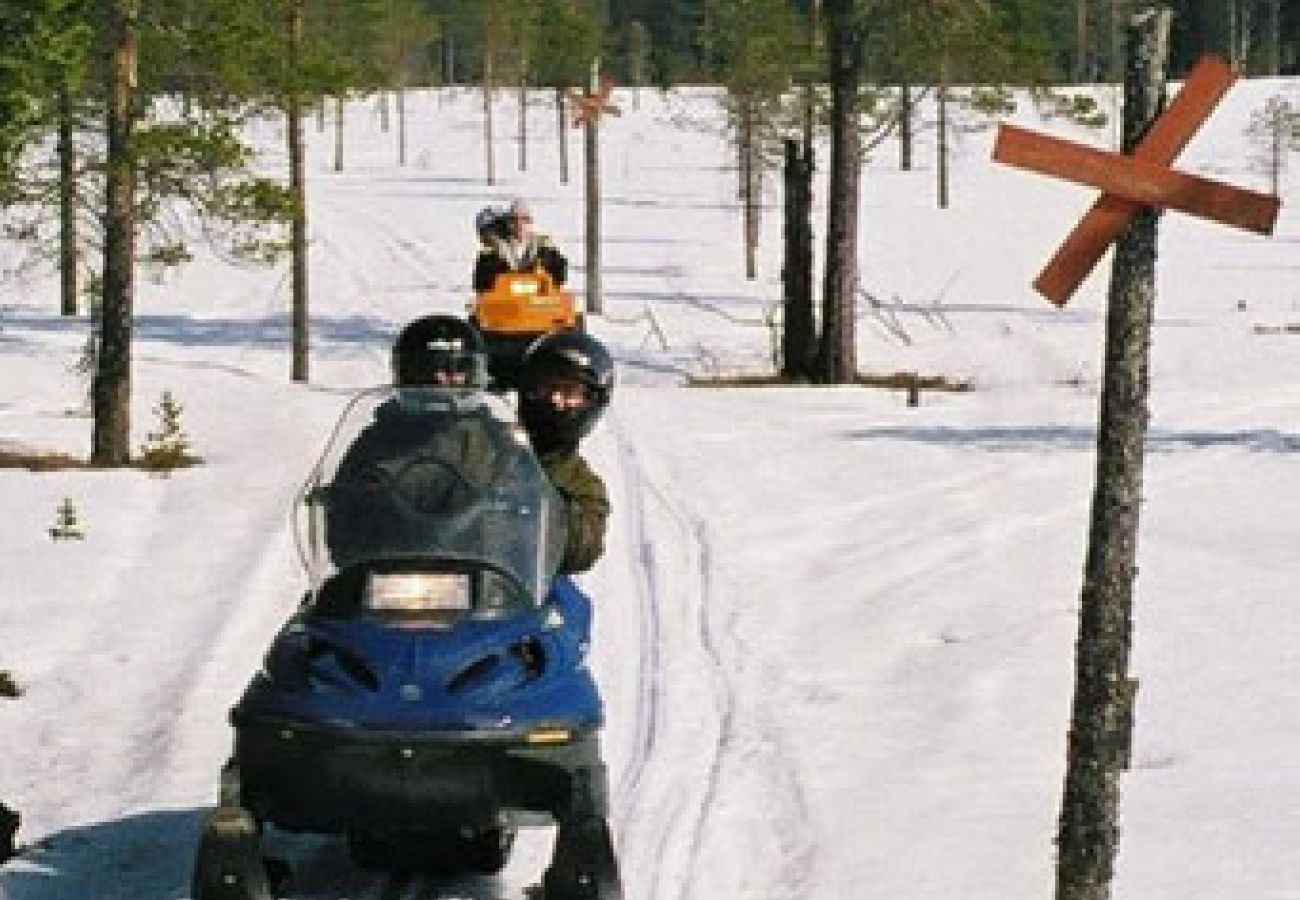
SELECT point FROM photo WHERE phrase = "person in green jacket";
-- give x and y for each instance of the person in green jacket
(565, 385)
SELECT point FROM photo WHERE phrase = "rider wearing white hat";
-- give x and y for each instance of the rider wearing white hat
(509, 243)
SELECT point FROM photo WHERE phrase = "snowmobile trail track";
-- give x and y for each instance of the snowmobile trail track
(681, 598)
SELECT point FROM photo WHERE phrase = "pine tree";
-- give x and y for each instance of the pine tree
(747, 45)
(167, 446)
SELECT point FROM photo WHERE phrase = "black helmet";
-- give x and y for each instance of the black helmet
(435, 345)
(559, 357)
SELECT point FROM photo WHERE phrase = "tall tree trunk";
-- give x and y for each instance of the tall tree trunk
(591, 145)
(339, 107)
(1101, 723)
(68, 256)
(1233, 25)
(401, 124)
(1081, 68)
(1278, 131)
(942, 167)
(111, 390)
(639, 41)
(298, 188)
(837, 354)
(810, 86)
(905, 133)
(449, 60)
(1274, 12)
(1115, 32)
(742, 162)
(523, 118)
(385, 123)
(798, 338)
(1246, 38)
(562, 134)
(487, 112)
(749, 158)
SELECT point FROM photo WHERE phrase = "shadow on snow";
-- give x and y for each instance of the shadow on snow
(150, 856)
(266, 331)
(140, 857)
(1066, 437)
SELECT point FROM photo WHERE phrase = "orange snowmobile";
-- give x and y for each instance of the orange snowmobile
(519, 308)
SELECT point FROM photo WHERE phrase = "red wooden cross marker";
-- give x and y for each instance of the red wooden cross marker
(1131, 182)
(594, 105)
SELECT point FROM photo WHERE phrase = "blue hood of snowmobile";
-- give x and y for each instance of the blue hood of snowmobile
(478, 676)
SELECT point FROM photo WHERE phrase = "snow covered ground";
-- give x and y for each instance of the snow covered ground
(835, 633)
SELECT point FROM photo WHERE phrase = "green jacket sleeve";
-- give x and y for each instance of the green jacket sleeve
(587, 509)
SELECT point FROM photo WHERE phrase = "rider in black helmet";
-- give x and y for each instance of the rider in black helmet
(439, 350)
(565, 384)
(431, 356)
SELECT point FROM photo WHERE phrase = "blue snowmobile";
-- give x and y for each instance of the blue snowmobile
(430, 696)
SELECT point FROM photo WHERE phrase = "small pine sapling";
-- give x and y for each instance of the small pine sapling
(168, 446)
(67, 527)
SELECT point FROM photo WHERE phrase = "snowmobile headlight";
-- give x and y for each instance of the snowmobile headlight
(524, 288)
(417, 593)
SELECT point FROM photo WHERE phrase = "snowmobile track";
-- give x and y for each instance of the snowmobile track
(668, 541)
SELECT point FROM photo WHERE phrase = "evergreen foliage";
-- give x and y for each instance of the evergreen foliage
(566, 37)
(67, 525)
(167, 447)
(42, 40)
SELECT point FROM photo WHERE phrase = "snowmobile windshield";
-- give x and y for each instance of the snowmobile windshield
(431, 477)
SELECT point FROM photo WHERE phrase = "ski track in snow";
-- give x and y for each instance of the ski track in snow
(669, 841)
(171, 739)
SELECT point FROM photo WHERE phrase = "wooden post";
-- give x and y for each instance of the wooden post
(298, 190)
(1102, 717)
(798, 338)
(591, 143)
(111, 388)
